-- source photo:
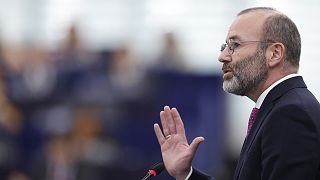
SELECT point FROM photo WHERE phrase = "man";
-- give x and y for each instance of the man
(260, 60)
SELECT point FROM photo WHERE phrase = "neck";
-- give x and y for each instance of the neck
(255, 93)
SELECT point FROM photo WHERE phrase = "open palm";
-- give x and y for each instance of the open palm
(177, 154)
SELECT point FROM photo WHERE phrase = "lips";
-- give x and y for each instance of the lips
(226, 70)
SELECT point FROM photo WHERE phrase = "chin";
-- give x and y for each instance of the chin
(233, 87)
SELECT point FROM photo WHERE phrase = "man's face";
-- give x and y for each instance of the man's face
(244, 66)
(247, 73)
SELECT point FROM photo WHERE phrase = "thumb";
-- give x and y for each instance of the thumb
(195, 144)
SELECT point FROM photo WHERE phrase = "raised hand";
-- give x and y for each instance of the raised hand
(177, 154)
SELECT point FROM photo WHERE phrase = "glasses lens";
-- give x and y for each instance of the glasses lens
(223, 46)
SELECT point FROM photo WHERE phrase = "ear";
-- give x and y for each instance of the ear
(275, 54)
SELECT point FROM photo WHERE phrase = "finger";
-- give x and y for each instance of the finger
(164, 123)
(195, 144)
(170, 121)
(160, 137)
(178, 121)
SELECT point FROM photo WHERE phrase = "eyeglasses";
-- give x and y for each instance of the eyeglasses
(232, 45)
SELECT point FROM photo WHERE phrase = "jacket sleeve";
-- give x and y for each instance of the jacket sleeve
(197, 175)
(290, 145)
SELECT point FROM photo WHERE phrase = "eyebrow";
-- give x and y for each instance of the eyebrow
(234, 37)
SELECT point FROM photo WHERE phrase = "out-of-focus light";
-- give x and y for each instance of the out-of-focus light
(164, 13)
(279, 5)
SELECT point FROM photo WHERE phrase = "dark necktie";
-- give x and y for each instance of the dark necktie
(252, 118)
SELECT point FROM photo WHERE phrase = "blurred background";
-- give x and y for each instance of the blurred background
(83, 82)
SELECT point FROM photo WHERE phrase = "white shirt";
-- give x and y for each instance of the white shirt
(266, 92)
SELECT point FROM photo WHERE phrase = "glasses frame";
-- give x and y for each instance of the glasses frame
(231, 48)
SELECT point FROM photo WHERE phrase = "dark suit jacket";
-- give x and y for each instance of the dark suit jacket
(284, 142)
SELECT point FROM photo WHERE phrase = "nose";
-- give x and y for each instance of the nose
(224, 56)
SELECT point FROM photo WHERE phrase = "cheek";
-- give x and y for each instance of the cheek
(247, 67)
(240, 67)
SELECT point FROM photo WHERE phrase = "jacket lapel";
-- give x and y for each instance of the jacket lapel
(263, 112)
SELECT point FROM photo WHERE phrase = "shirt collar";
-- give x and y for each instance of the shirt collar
(265, 92)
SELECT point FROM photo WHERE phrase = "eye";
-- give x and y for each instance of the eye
(234, 45)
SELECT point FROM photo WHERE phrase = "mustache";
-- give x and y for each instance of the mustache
(227, 66)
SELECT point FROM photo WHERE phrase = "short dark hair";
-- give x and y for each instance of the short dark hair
(280, 28)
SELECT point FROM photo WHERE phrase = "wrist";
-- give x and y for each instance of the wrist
(186, 175)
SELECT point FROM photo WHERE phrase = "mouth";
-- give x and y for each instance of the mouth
(226, 70)
(227, 73)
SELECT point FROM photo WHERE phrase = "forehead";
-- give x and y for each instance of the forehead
(247, 27)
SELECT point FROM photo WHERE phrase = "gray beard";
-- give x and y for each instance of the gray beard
(248, 73)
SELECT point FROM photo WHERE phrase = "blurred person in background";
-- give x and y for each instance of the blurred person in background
(38, 75)
(72, 54)
(55, 161)
(170, 57)
(84, 153)
(126, 77)
(11, 125)
(71, 49)
(93, 151)
(261, 61)
(30, 75)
